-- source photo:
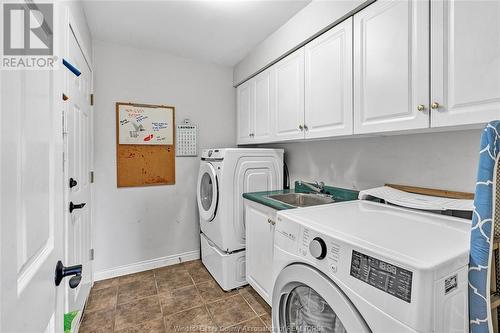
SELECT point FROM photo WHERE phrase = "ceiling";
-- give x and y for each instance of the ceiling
(214, 31)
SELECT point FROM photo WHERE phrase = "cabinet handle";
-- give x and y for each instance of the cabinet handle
(435, 105)
(251, 135)
(420, 107)
(306, 128)
(301, 128)
(271, 222)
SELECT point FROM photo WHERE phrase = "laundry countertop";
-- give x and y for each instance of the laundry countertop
(337, 193)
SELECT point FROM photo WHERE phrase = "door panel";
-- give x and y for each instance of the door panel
(328, 83)
(391, 66)
(78, 145)
(246, 111)
(30, 201)
(465, 59)
(259, 244)
(264, 85)
(289, 93)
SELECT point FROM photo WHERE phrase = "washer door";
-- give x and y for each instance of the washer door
(305, 301)
(208, 192)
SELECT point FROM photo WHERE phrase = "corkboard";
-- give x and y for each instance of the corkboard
(145, 165)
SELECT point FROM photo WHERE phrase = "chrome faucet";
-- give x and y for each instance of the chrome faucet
(316, 187)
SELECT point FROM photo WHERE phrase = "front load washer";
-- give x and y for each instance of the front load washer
(361, 266)
(225, 174)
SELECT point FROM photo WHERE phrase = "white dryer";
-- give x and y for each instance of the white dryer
(360, 266)
(225, 174)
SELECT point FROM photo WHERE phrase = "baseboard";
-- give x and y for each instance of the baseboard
(146, 265)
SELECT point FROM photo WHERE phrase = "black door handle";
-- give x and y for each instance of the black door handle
(75, 281)
(61, 272)
(73, 206)
(72, 183)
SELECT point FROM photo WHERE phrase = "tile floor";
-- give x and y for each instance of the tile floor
(182, 298)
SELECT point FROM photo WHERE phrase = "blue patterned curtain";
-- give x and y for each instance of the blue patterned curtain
(482, 230)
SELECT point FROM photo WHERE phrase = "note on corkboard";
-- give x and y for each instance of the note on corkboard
(150, 160)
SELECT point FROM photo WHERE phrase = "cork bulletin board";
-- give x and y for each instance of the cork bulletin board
(145, 151)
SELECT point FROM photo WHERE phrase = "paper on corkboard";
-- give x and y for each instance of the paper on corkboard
(146, 164)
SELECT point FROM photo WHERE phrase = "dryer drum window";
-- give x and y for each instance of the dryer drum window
(206, 191)
(307, 312)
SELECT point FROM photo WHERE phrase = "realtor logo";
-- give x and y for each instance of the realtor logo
(28, 37)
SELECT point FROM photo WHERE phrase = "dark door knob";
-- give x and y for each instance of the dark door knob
(72, 183)
(61, 272)
(73, 206)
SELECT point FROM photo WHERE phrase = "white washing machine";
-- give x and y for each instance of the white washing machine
(225, 174)
(360, 266)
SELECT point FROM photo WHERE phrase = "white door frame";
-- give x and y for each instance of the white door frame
(71, 28)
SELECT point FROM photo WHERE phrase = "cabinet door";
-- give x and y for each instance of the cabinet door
(328, 83)
(264, 84)
(465, 60)
(391, 66)
(289, 93)
(259, 221)
(246, 109)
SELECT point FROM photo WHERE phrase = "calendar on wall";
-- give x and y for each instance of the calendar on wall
(187, 139)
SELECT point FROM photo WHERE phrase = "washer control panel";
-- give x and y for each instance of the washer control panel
(318, 247)
(389, 278)
(212, 154)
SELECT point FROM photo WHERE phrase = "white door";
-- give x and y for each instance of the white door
(78, 148)
(328, 83)
(259, 224)
(264, 103)
(465, 60)
(289, 93)
(305, 300)
(391, 66)
(31, 201)
(246, 111)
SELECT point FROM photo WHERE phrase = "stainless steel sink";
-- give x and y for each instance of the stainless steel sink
(302, 199)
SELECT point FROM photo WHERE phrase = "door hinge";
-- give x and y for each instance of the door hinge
(91, 254)
(91, 177)
(91, 99)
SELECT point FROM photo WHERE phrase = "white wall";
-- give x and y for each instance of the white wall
(315, 18)
(446, 160)
(137, 224)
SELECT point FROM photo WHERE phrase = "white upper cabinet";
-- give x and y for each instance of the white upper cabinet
(245, 108)
(328, 83)
(391, 66)
(289, 94)
(256, 109)
(264, 104)
(465, 58)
